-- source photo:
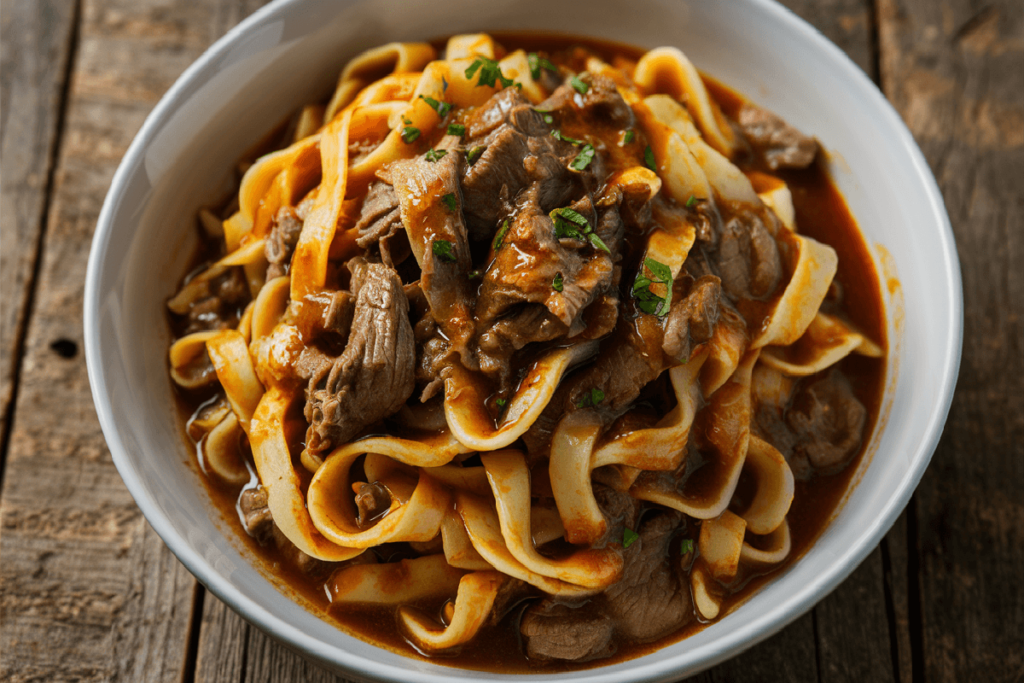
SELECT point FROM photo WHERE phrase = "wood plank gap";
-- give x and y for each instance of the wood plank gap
(890, 611)
(28, 301)
(874, 43)
(188, 672)
(817, 645)
(914, 595)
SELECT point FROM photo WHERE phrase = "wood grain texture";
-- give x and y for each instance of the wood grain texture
(847, 23)
(953, 70)
(88, 592)
(35, 45)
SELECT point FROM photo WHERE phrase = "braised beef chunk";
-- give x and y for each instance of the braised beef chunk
(372, 501)
(374, 375)
(227, 295)
(620, 509)
(506, 107)
(554, 630)
(256, 513)
(284, 235)
(307, 564)
(828, 422)
(747, 258)
(692, 321)
(781, 145)
(602, 103)
(379, 221)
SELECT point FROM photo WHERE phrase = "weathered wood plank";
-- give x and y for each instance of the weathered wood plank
(847, 23)
(787, 656)
(896, 566)
(36, 40)
(223, 644)
(953, 70)
(87, 590)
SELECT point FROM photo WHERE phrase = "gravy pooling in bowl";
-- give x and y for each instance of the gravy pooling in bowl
(562, 174)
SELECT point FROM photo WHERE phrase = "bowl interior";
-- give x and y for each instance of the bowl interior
(289, 54)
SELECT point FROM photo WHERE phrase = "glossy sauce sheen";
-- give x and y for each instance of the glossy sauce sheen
(821, 213)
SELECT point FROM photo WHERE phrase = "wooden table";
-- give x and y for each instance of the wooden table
(90, 593)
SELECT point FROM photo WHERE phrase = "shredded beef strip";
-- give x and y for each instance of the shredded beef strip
(781, 145)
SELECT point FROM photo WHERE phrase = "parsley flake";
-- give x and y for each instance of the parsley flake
(646, 300)
(571, 224)
(475, 274)
(443, 250)
(410, 134)
(500, 236)
(629, 537)
(549, 119)
(649, 159)
(557, 134)
(591, 398)
(434, 154)
(686, 546)
(442, 108)
(474, 154)
(582, 159)
(456, 129)
(500, 402)
(490, 72)
(556, 284)
(449, 201)
(578, 85)
(628, 136)
(691, 202)
(537, 63)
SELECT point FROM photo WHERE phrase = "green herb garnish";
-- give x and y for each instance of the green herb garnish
(490, 72)
(475, 274)
(691, 202)
(582, 159)
(549, 119)
(578, 85)
(649, 159)
(474, 154)
(628, 136)
(500, 402)
(591, 398)
(409, 134)
(500, 236)
(685, 546)
(648, 301)
(556, 284)
(435, 154)
(629, 537)
(537, 63)
(569, 223)
(456, 129)
(449, 201)
(557, 134)
(442, 108)
(443, 250)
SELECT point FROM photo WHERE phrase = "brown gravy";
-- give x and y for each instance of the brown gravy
(821, 213)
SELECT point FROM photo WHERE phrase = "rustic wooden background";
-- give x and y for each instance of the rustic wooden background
(88, 592)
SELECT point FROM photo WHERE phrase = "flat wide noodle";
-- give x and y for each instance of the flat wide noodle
(219, 448)
(510, 483)
(434, 450)
(190, 367)
(230, 356)
(394, 583)
(466, 411)
(720, 544)
(472, 607)
(775, 487)
(458, 548)
(269, 306)
(777, 548)
(372, 65)
(825, 342)
(284, 488)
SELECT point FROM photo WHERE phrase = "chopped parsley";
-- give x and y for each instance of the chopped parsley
(474, 154)
(537, 63)
(410, 134)
(500, 236)
(442, 108)
(646, 300)
(435, 154)
(500, 402)
(582, 159)
(456, 129)
(475, 274)
(591, 398)
(649, 159)
(569, 223)
(686, 546)
(449, 201)
(557, 134)
(578, 85)
(628, 136)
(691, 202)
(549, 119)
(490, 72)
(556, 284)
(629, 537)
(443, 250)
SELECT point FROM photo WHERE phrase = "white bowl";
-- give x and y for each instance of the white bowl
(290, 53)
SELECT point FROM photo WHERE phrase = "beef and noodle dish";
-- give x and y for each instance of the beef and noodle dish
(531, 354)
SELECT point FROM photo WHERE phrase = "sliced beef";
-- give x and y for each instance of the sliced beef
(372, 501)
(620, 509)
(380, 223)
(256, 514)
(554, 630)
(227, 295)
(439, 239)
(650, 600)
(781, 145)
(828, 422)
(602, 104)
(747, 258)
(506, 107)
(374, 375)
(280, 244)
(692, 321)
